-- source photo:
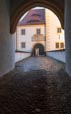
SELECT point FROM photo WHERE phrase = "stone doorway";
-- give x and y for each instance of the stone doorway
(38, 50)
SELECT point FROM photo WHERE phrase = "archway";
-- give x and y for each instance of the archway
(43, 37)
(38, 50)
(22, 8)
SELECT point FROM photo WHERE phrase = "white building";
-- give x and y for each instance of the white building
(39, 31)
(54, 34)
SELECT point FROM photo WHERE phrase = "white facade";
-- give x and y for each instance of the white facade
(50, 32)
(27, 38)
(52, 36)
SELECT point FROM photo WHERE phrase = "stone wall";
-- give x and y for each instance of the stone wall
(58, 55)
(6, 40)
(21, 55)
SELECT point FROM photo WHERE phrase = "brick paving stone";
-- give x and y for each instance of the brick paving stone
(38, 85)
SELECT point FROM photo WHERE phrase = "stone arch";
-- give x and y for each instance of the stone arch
(24, 7)
(40, 47)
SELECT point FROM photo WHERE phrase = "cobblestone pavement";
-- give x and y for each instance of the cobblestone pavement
(39, 63)
(37, 89)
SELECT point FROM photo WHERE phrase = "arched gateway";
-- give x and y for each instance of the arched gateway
(38, 50)
(23, 8)
(12, 10)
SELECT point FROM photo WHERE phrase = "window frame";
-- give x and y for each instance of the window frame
(59, 30)
(23, 32)
(57, 43)
(62, 45)
(38, 31)
(23, 44)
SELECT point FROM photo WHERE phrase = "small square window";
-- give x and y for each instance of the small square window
(62, 45)
(58, 30)
(23, 31)
(23, 45)
(57, 45)
(38, 31)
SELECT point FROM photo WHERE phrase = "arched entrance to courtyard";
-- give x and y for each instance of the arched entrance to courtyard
(34, 37)
(37, 34)
(38, 50)
(23, 8)
(57, 99)
(54, 6)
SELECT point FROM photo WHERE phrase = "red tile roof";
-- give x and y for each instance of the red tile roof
(34, 16)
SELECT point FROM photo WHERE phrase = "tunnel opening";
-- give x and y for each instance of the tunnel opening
(38, 84)
(36, 27)
(23, 8)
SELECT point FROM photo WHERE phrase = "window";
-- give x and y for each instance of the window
(62, 45)
(38, 31)
(23, 31)
(58, 30)
(23, 45)
(57, 45)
